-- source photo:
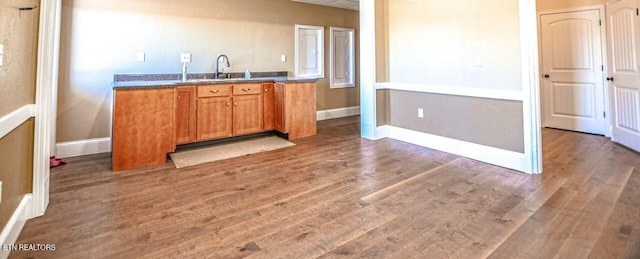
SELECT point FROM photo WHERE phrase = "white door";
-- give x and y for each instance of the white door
(624, 80)
(572, 70)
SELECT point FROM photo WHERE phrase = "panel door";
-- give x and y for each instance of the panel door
(572, 64)
(247, 114)
(279, 113)
(185, 117)
(268, 107)
(624, 82)
(214, 118)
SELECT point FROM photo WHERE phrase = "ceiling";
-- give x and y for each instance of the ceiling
(346, 4)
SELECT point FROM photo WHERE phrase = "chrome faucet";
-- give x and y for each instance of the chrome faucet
(223, 57)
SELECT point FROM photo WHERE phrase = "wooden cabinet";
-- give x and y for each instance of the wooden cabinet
(227, 110)
(185, 114)
(268, 107)
(247, 114)
(214, 118)
(278, 106)
(149, 123)
(295, 109)
(143, 127)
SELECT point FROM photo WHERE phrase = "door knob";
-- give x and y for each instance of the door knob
(546, 76)
(610, 79)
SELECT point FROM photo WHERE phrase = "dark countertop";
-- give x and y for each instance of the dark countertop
(124, 85)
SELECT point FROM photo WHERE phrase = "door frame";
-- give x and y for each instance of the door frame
(603, 37)
(46, 101)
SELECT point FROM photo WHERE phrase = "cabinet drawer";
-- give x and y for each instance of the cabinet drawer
(214, 90)
(242, 89)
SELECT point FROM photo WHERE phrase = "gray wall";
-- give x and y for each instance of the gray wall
(490, 122)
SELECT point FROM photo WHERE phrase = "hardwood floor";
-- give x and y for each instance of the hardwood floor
(337, 195)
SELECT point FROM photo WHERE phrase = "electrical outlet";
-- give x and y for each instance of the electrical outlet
(185, 57)
(140, 57)
(1, 53)
(283, 58)
(420, 113)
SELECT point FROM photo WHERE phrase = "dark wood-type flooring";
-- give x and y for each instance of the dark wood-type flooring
(337, 195)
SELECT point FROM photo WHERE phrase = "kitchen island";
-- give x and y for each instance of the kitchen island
(152, 117)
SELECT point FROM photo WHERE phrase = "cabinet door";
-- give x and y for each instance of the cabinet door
(300, 102)
(185, 117)
(142, 127)
(247, 114)
(214, 118)
(268, 106)
(279, 108)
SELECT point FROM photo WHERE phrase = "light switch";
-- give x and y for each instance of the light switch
(420, 113)
(478, 61)
(1, 53)
(283, 58)
(140, 57)
(185, 57)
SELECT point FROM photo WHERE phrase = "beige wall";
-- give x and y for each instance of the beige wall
(546, 5)
(382, 40)
(437, 42)
(18, 34)
(17, 74)
(16, 172)
(101, 38)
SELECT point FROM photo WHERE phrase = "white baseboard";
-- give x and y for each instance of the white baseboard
(337, 113)
(13, 228)
(12, 120)
(83, 147)
(500, 157)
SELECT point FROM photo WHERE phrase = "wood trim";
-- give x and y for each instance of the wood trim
(367, 54)
(337, 113)
(14, 226)
(510, 95)
(46, 96)
(14, 119)
(500, 157)
(83, 147)
(530, 87)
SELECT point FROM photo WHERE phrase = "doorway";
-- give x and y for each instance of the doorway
(572, 70)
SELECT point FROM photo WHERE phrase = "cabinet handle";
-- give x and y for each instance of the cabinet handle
(266, 90)
(235, 104)
(228, 104)
(178, 97)
(214, 91)
(246, 89)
